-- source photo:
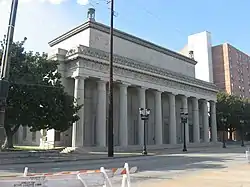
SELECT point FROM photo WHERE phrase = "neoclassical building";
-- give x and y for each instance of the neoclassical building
(145, 75)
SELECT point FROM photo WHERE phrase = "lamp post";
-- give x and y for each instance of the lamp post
(223, 121)
(184, 117)
(5, 64)
(111, 86)
(242, 132)
(144, 113)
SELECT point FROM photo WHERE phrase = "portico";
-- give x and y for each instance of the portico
(145, 75)
(87, 68)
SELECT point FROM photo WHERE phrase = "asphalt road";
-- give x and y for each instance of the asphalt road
(161, 167)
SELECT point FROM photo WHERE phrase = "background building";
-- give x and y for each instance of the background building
(201, 46)
(223, 65)
(231, 70)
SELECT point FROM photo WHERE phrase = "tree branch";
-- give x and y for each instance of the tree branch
(14, 130)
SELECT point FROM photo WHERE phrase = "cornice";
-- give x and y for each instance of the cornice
(139, 66)
(104, 28)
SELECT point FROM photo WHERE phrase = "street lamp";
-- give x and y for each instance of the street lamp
(242, 132)
(184, 118)
(5, 65)
(223, 121)
(144, 113)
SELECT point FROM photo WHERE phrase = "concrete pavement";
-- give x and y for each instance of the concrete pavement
(165, 167)
(51, 157)
(229, 177)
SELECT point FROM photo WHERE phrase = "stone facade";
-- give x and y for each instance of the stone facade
(160, 80)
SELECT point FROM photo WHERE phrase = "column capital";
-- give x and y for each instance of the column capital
(102, 81)
(141, 88)
(203, 100)
(158, 92)
(212, 102)
(171, 94)
(123, 84)
(80, 77)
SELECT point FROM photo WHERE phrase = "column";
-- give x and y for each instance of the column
(205, 121)
(101, 114)
(142, 104)
(195, 117)
(213, 121)
(123, 129)
(172, 119)
(158, 118)
(77, 129)
(185, 110)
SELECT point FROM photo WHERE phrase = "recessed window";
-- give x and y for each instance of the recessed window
(57, 136)
(33, 136)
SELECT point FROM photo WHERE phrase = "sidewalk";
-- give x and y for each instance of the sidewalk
(229, 177)
(103, 155)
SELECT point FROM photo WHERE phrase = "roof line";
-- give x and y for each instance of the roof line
(103, 28)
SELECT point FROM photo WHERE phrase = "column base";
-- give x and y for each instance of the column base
(138, 148)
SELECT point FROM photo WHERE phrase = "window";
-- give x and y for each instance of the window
(33, 136)
(24, 133)
(57, 136)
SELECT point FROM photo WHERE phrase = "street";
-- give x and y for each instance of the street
(151, 168)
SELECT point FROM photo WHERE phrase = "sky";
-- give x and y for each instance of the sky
(164, 22)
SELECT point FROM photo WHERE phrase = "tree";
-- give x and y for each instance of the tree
(222, 109)
(36, 96)
(234, 109)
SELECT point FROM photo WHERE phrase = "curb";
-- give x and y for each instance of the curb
(78, 159)
(173, 151)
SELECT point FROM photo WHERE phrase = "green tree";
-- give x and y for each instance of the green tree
(222, 109)
(234, 109)
(36, 96)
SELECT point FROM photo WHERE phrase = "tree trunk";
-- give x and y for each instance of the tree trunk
(8, 143)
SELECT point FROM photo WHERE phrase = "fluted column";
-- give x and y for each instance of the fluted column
(101, 114)
(142, 104)
(196, 125)
(205, 121)
(123, 130)
(172, 119)
(185, 110)
(158, 118)
(213, 121)
(77, 129)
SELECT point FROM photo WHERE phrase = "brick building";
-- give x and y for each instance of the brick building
(231, 70)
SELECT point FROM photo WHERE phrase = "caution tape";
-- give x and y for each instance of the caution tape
(115, 171)
(69, 178)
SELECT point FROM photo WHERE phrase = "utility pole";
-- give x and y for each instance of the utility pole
(5, 63)
(111, 86)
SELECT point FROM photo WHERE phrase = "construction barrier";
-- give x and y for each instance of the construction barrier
(248, 155)
(83, 178)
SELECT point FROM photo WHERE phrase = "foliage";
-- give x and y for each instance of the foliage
(36, 96)
(234, 109)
